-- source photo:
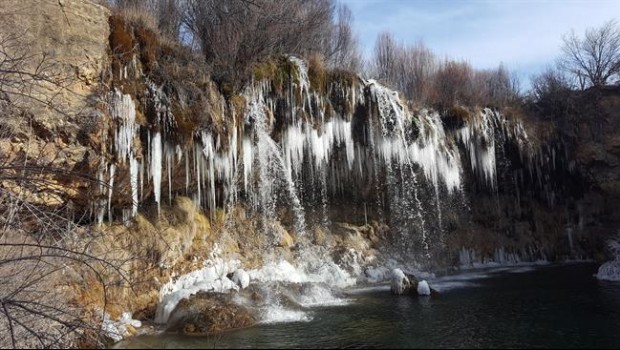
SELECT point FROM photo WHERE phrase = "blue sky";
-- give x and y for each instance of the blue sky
(524, 34)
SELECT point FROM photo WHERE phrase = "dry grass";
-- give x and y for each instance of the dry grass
(317, 73)
(264, 70)
(149, 47)
(121, 39)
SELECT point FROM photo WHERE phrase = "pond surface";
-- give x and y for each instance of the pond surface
(543, 307)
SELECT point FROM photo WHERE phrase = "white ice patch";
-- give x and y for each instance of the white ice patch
(156, 166)
(610, 271)
(118, 330)
(282, 271)
(376, 275)
(211, 278)
(317, 295)
(399, 282)
(470, 259)
(431, 151)
(423, 288)
(241, 278)
(278, 314)
(373, 289)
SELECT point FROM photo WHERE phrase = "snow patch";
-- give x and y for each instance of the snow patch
(241, 278)
(423, 288)
(278, 314)
(211, 278)
(282, 271)
(610, 271)
(399, 282)
(470, 259)
(317, 295)
(377, 275)
(118, 330)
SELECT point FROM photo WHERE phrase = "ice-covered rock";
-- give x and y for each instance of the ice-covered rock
(211, 278)
(610, 271)
(376, 275)
(399, 282)
(118, 330)
(208, 314)
(423, 288)
(282, 271)
(241, 278)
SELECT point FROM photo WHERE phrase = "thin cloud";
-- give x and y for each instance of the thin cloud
(525, 35)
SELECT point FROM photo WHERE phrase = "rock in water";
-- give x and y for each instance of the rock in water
(609, 271)
(400, 283)
(423, 288)
(208, 314)
(241, 278)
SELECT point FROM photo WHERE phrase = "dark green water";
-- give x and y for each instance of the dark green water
(547, 307)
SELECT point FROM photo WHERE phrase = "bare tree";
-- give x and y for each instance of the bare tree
(169, 16)
(385, 60)
(42, 246)
(235, 34)
(418, 65)
(453, 84)
(495, 87)
(343, 49)
(594, 59)
(551, 95)
(549, 83)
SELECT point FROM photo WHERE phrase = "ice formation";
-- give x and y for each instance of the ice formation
(302, 151)
(211, 278)
(241, 278)
(118, 330)
(610, 271)
(469, 258)
(399, 282)
(423, 288)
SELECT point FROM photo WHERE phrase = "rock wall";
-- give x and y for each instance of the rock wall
(60, 50)
(127, 135)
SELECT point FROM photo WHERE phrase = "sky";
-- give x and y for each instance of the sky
(526, 35)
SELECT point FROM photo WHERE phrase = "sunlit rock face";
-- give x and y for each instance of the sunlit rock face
(306, 155)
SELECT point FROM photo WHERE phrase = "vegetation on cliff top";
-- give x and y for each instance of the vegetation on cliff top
(237, 41)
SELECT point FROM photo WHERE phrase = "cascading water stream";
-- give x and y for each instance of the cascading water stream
(294, 156)
(300, 149)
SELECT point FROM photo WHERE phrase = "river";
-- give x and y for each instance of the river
(552, 306)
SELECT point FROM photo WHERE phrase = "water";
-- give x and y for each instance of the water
(543, 307)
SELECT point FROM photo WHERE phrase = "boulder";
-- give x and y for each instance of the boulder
(400, 284)
(423, 288)
(208, 314)
(241, 278)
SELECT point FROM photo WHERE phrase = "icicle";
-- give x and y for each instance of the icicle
(99, 207)
(111, 191)
(248, 159)
(134, 172)
(156, 166)
(123, 112)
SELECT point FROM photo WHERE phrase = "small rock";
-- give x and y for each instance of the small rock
(241, 278)
(400, 284)
(208, 314)
(423, 288)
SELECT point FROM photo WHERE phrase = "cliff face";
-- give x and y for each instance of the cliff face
(125, 136)
(134, 121)
(55, 53)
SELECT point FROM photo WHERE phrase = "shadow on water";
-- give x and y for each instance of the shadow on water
(545, 307)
